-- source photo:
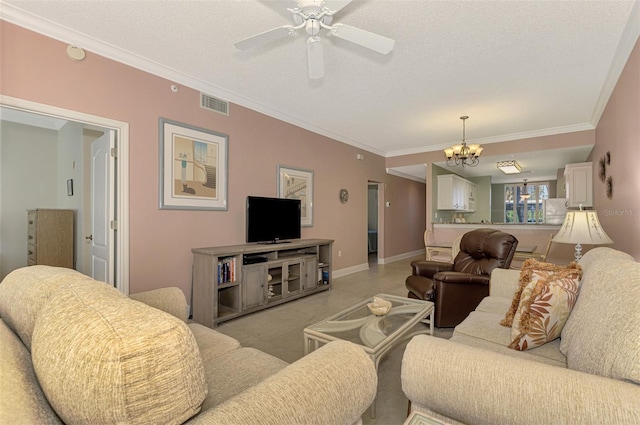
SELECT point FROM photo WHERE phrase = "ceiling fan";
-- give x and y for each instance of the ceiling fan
(314, 16)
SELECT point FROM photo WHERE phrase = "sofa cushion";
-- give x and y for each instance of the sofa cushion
(483, 330)
(25, 291)
(598, 253)
(103, 358)
(504, 282)
(23, 402)
(494, 305)
(591, 291)
(170, 300)
(547, 354)
(602, 335)
(212, 344)
(545, 305)
(237, 370)
(485, 326)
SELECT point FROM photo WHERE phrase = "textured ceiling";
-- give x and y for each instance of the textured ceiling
(517, 68)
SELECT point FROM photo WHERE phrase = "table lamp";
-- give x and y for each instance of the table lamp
(582, 227)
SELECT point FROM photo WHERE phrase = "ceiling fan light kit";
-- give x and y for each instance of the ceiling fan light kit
(314, 16)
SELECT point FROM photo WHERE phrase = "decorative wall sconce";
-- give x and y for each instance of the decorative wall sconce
(603, 164)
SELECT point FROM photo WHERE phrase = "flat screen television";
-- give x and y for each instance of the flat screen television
(272, 220)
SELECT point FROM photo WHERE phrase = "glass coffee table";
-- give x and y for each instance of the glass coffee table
(376, 335)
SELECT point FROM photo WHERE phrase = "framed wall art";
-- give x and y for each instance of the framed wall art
(295, 183)
(193, 167)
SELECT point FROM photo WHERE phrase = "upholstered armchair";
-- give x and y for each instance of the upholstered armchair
(457, 288)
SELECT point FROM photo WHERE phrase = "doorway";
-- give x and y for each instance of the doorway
(111, 218)
(373, 223)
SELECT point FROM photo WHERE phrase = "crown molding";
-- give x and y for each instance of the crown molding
(628, 40)
(501, 138)
(17, 16)
(397, 173)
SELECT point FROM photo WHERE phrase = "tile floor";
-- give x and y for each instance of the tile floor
(278, 330)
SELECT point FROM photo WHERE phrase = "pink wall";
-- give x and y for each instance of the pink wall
(618, 133)
(35, 68)
(408, 207)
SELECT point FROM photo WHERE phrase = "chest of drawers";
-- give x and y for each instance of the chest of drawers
(50, 237)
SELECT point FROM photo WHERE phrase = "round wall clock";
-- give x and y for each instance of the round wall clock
(344, 195)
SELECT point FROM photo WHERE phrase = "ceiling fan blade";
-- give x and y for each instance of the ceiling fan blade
(315, 58)
(336, 5)
(364, 38)
(264, 37)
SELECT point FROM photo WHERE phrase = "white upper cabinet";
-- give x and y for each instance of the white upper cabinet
(456, 193)
(579, 184)
(471, 197)
(445, 193)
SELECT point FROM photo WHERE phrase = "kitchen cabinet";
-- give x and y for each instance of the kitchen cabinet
(456, 193)
(579, 184)
(470, 196)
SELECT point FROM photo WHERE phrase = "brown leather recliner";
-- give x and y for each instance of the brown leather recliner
(457, 288)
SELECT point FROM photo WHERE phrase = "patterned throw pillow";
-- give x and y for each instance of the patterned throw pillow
(545, 305)
(525, 277)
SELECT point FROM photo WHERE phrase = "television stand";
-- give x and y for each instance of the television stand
(231, 281)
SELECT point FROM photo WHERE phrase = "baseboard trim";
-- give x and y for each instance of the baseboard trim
(350, 270)
(365, 266)
(403, 256)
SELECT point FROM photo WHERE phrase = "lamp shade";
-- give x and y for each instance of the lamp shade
(582, 227)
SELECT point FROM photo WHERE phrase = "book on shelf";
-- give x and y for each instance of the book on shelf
(226, 270)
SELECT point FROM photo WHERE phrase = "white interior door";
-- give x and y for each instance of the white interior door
(102, 208)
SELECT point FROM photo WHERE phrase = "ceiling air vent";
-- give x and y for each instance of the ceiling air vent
(214, 104)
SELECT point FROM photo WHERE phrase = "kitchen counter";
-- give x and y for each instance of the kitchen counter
(532, 234)
(498, 226)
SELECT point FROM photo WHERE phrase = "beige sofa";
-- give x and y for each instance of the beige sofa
(590, 375)
(77, 351)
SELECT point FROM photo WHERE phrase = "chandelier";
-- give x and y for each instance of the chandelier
(525, 192)
(463, 154)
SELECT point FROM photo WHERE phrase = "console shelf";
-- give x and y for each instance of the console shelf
(230, 281)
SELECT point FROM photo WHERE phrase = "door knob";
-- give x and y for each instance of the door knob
(89, 238)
